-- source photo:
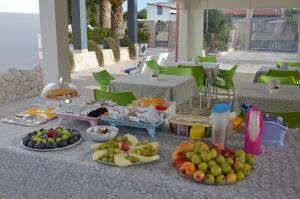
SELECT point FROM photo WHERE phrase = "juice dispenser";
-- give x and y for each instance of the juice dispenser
(220, 121)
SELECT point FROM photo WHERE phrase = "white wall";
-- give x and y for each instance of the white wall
(20, 26)
(152, 14)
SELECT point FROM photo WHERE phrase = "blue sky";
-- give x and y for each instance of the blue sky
(143, 3)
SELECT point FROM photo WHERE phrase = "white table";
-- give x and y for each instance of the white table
(287, 100)
(172, 88)
(265, 69)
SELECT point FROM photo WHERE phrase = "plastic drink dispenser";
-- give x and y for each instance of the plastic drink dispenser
(253, 135)
(220, 121)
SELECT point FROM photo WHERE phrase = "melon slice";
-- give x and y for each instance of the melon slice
(98, 154)
(145, 159)
(133, 140)
(121, 161)
(95, 147)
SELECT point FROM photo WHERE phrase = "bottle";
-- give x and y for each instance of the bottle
(254, 131)
(220, 120)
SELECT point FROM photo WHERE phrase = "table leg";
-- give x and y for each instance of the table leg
(151, 131)
(208, 95)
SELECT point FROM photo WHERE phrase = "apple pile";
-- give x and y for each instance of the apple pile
(212, 165)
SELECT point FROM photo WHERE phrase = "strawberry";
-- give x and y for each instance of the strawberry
(124, 146)
(52, 134)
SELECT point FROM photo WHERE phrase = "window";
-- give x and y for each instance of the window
(159, 10)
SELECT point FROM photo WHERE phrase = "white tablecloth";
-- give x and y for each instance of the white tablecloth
(173, 88)
(287, 100)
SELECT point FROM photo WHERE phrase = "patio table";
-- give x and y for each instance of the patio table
(169, 87)
(72, 173)
(264, 70)
(287, 100)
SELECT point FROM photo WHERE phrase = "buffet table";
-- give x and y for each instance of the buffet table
(72, 173)
(171, 88)
(287, 100)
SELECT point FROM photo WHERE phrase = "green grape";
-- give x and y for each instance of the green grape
(145, 141)
(104, 159)
(111, 150)
(102, 147)
(111, 155)
(119, 138)
(45, 131)
(135, 160)
(111, 160)
(64, 137)
(39, 134)
(116, 145)
(153, 153)
(138, 151)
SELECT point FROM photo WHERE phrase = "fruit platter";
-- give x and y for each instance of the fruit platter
(32, 117)
(51, 139)
(211, 165)
(124, 151)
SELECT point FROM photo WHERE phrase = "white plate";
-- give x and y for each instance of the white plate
(92, 132)
(48, 150)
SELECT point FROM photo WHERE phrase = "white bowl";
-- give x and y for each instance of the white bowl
(94, 133)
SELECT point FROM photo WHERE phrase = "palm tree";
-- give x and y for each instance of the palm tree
(117, 18)
(105, 13)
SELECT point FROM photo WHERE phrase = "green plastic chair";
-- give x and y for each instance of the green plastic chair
(290, 64)
(201, 69)
(103, 78)
(122, 98)
(153, 65)
(278, 73)
(290, 80)
(211, 59)
(225, 80)
(197, 72)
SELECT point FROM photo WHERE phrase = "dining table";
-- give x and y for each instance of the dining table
(179, 89)
(286, 100)
(265, 69)
(71, 173)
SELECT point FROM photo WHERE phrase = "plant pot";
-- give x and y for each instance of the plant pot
(143, 48)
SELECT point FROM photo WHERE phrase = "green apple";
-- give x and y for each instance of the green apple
(242, 159)
(240, 153)
(203, 167)
(220, 159)
(213, 153)
(230, 178)
(209, 179)
(196, 159)
(229, 161)
(237, 164)
(246, 169)
(250, 159)
(205, 156)
(216, 170)
(211, 163)
(220, 179)
(225, 167)
(240, 175)
(189, 155)
(197, 149)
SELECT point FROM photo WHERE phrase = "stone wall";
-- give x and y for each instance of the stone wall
(16, 84)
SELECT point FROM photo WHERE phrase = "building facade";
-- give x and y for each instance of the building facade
(162, 11)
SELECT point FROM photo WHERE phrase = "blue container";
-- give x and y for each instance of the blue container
(274, 133)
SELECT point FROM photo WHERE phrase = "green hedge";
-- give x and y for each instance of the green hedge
(93, 46)
(113, 44)
(131, 48)
(98, 34)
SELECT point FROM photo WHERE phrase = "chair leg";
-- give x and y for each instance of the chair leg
(200, 100)
(228, 95)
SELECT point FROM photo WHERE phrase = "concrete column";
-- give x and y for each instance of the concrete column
(248, 29)
(79, 25)
(191, 26)
(132, 21)
(298, 37)
(54, 35)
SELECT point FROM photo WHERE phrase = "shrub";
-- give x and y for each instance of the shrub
(112, 43)
(131, 48)
(143, 33)
(98, 34)
(93, 46)
(70, 37)
(72, 62)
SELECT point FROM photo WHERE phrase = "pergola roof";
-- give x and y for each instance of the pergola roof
(276, 12)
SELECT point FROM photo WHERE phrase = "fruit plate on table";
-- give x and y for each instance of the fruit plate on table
(125, 151)
(45, 140)
(212, 165)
